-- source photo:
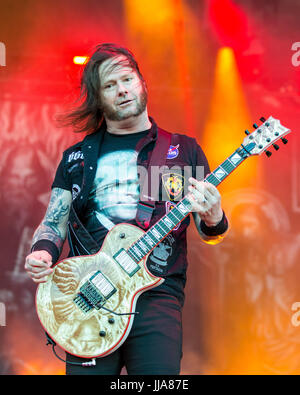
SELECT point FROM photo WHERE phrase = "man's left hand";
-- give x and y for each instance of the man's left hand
(206, 201)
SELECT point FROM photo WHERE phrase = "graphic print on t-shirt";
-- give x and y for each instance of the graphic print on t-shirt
(158, 260)
(116, 187)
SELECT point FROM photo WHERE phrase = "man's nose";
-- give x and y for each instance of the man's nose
(122, 90)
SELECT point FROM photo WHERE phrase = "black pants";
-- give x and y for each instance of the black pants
(154, 345)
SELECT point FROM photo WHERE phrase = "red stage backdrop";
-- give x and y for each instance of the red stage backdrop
(213, 68)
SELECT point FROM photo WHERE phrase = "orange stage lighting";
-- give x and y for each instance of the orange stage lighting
(165, 38)
(228, 118)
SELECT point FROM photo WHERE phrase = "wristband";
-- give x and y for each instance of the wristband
(215, 230)
(48, 246)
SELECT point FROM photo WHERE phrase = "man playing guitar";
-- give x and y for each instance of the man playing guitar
(97, 182)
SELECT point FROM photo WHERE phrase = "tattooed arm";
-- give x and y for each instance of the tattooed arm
(54, 224)
(49, 237)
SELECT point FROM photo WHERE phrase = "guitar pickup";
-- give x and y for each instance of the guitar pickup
(127, 263)
(94, 292)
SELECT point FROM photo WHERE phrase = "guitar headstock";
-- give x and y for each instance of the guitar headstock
(264, 136)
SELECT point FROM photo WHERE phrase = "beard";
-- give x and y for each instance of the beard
(133, 111)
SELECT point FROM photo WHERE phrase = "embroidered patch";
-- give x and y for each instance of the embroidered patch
(173, 151)
(75, 191)
(75, 155)
(173, 184)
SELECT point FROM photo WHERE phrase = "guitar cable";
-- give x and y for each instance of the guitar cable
(113, 312)
(92, 362)
(51, 342)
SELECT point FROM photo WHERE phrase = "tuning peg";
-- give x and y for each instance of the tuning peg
(262, 119)
(284, 140)
(255, 126)
(247, 132)
(276, 146)
(268, 153)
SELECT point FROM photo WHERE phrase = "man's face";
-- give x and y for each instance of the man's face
(122, 92)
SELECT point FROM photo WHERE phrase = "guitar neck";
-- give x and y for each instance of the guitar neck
(227, 167)
(145, 244)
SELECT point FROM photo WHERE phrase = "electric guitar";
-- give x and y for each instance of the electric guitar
(87, 306)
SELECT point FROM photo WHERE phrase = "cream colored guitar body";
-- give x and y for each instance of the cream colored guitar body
(62, 311)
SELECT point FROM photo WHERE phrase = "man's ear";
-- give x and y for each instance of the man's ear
(145, 85)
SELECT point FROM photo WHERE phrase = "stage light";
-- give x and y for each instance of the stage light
(174, 44)
(80, 59)
(229, 116)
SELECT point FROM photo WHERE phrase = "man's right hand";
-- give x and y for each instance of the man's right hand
(38, 266)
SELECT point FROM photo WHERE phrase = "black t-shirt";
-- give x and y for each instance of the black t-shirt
(115, 192)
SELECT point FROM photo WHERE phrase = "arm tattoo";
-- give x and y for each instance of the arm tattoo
(44, 232)
(53, 226)
(57, 210)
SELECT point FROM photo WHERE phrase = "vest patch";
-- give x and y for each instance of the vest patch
(173, 151)
(75, 155)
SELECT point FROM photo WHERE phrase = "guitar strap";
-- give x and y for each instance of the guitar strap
(149, 186)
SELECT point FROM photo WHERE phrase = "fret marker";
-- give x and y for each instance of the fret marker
(156, 234)
(149, 240)
(219, 173)
(168, 222)
(181, 207)
(142, 245)
(235, 158)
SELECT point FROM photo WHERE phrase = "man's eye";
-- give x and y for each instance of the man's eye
(108, 86)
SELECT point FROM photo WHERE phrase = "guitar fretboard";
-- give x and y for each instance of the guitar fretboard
(227, 167)
(145, 244)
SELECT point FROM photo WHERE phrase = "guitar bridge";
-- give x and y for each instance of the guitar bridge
(94, 292)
